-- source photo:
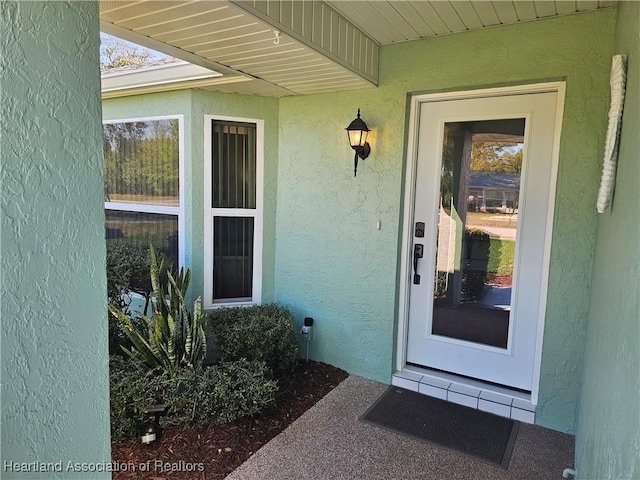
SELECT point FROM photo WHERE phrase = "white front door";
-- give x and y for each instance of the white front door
(479, 242)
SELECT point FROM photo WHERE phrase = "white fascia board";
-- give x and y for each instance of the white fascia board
(157, 75)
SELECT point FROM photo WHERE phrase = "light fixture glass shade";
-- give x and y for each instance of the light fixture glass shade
(357, 138)
(358, 132)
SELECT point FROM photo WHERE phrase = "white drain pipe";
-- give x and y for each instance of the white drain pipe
(568, 471)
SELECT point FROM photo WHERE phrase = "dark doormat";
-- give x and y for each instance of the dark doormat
(472, 432)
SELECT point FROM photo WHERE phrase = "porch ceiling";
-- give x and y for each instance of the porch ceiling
(400, 21)
(324, 45)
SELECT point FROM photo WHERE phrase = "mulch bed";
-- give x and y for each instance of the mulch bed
(208, 453)
(499, 280)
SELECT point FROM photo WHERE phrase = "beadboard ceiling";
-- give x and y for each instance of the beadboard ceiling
(400, 21)
(284, 47)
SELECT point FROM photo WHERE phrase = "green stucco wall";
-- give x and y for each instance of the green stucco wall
(54, 335)
(334, 265)
(194, 105)
(608, 431)
(323, 255)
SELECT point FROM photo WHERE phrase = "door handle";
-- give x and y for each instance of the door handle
(418, 250)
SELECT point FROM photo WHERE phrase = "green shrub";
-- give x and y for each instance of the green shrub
(263, 332)
(475, 269)
(501, 256)
(217, 394)
(127, 271)
(441, 284)
(128, 396)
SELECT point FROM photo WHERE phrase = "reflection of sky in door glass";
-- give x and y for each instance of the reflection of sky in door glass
(477, 222)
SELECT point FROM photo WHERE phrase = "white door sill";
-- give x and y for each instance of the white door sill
(470, 393)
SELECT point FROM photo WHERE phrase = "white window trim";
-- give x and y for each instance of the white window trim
(162, 209)
(256, 213)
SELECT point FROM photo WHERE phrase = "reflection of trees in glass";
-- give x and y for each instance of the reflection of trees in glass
(141, 160)
(467, 148)
(503, 157)
(448, 159)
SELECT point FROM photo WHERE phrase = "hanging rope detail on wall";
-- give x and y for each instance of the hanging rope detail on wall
(607, 182)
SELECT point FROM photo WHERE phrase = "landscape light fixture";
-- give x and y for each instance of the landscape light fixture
(151, 427)
(358, 132)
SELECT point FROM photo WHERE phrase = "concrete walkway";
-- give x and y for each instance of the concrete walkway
(329, 442)
(504, 233)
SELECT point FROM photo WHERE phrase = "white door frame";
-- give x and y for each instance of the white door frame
(408, 210)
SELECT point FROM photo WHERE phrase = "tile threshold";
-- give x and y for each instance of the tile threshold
(471, 393)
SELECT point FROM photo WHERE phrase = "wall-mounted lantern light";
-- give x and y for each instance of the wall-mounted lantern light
(358, 132)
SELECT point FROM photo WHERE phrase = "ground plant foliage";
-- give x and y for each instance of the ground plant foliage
(213, 452)
(196, 397)
(215, 407)
(262, 332)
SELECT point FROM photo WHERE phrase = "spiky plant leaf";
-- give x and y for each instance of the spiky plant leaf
(175, 335)
(142, 350)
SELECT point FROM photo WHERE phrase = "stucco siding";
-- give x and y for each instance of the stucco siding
(331, 261)
(608, 433)
(55, 391)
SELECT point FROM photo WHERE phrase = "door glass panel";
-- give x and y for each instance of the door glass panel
(477, 224)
